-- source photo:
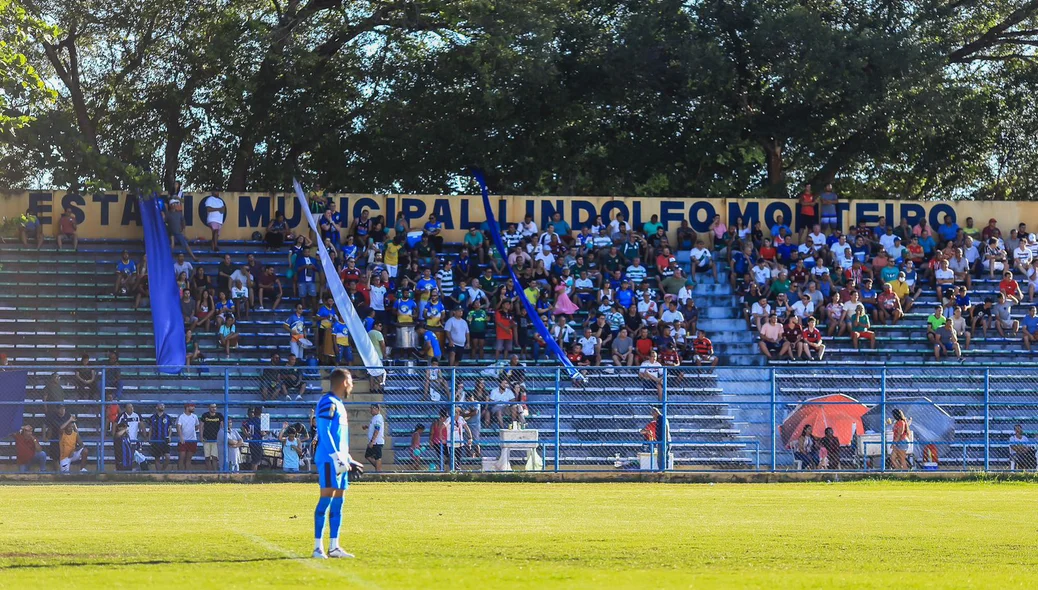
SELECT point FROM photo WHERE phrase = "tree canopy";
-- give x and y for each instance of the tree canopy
(893, 98)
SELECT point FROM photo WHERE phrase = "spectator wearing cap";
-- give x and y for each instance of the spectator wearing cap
(28, 451)
(990, 231)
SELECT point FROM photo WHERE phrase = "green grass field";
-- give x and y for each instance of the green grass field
(514, 535)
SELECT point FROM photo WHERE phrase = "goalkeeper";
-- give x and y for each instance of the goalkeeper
(333, 462)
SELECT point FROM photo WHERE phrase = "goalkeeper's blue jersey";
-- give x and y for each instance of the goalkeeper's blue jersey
(332, 429)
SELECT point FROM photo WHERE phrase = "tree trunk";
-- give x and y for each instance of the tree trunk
(776, 175)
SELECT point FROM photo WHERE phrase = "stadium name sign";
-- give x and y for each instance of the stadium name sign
(114, 215)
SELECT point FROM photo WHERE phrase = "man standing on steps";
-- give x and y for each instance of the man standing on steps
(333, 462)
(215, 212)
(376, 437)
(212, 424)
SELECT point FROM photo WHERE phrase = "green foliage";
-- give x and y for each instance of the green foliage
(912, 99)
(22, 89)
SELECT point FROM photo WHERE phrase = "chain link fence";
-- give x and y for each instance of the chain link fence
(508, 416)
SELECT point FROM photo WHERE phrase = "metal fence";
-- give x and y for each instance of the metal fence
(503, 417)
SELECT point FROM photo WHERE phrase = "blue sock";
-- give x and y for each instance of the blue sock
(322, 507)
(335, 517)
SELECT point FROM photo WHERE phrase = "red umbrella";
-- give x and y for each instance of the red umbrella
(840, 412)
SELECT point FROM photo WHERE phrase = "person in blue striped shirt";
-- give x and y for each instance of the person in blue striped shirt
(334, 463)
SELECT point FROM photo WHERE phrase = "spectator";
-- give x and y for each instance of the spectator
(72, 449)
(240, 298)
(504, 325)
(28, 451)
(502, 398)
(277, 232)
(306, 278)
(160, 427)
(861, 327)
(296, 326)
(271, 384)
(430, 344)
(1001, 315)
(67, 227)
(132, 420)
(234, 445)
(457, 331)
(187, 431)
(376, 429)
(123, 449)
(831, 445)
(994, 258)
(192, 354)
(86, 380)
(433, 230)
(771, 337)
(211, 425)
(813, 347)
(215, 212)
(29, 227)
(958, 327)
(125, 275)
(704, 350)
(52, 391)
(623, 349)
(229, 335)
(268, 281)
(1021, 451)
(793, 333)
(1009, 287)
(805, 448)
(651, 371)
(293, 379)
(901, 436)
(1029, 327)
(291, 448)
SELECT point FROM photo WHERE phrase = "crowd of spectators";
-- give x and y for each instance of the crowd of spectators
(796, 282)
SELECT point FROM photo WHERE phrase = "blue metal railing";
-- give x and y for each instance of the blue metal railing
(720, 419)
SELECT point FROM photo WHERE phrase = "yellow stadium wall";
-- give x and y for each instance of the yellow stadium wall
(113, 215)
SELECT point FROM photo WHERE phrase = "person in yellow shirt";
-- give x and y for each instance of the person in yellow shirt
(392, 255)
(71, 448)
(902, 289)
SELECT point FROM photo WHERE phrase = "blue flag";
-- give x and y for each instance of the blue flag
(535, 318)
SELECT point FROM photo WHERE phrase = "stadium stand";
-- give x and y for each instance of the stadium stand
(56, 306)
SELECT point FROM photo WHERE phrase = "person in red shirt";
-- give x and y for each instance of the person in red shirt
(793, 335)
(813, 347)
(704, 350)
(67, 227)
(643, 345)
(808, 211)
(670, 357)
(1009, 287)
(767, 251)
(504, 327)
(576, 356)
(28, 450)
(915, 251)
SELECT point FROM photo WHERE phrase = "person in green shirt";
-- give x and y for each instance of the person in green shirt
(486, 281)
(861, 327)
(672, 285)
(477, 318)
(781, 284)
(475, 245)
